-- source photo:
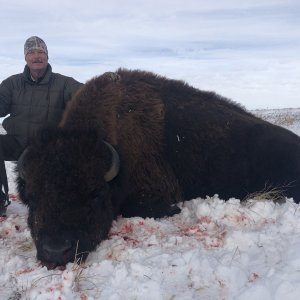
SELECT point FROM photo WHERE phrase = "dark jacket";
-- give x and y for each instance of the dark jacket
(32, 104)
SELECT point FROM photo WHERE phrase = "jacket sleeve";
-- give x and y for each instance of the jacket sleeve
(5, 97)
(71, 88)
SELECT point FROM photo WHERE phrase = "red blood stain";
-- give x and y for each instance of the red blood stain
(24, 271)
(13, 197)
(205, 219)
(253, 276)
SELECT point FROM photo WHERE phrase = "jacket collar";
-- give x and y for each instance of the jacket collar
(44, 80)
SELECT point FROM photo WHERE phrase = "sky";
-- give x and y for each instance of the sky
(245, 50)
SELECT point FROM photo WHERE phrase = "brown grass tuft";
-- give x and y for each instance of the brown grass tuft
(269, 193)
(78, 268)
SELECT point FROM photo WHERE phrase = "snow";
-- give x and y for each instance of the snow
(212, 250)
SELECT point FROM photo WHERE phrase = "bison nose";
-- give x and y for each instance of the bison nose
(60, 251)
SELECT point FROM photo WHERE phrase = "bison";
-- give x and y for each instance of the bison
(133, 143)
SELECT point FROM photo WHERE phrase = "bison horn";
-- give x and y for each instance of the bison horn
(115, 164)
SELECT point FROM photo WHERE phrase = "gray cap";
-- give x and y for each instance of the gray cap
(35, 43)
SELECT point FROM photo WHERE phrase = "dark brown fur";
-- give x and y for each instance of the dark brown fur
(175, 143)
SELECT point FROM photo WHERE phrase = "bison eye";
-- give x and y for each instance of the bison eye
(99, 192)
(98, 195)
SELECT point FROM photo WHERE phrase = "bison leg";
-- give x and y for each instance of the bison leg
(153, 193)
(145, 209)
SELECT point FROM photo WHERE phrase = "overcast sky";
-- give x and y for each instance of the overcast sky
(246, 50)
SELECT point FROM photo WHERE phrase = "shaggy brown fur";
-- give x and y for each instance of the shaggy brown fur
(175, 143)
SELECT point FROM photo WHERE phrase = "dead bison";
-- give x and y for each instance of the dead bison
(132, 143)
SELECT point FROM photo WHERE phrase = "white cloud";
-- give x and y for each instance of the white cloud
(248, 50)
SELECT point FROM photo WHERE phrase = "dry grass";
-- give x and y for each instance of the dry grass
(286, 120)
(280, 117)
(78, 268)
(269, 193)
(26, 246)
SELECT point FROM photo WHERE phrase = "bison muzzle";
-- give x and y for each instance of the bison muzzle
(135, 144)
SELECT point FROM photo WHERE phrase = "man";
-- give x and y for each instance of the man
(32, 98)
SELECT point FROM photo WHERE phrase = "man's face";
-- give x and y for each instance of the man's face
(36, 60)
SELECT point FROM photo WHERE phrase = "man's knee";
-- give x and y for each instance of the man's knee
(10, 148)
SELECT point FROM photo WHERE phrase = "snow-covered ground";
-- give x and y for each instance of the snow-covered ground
(211, 250)
(287, 118)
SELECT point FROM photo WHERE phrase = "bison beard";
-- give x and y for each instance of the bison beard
(174, 143)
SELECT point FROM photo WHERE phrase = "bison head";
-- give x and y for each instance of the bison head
(64, 184)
